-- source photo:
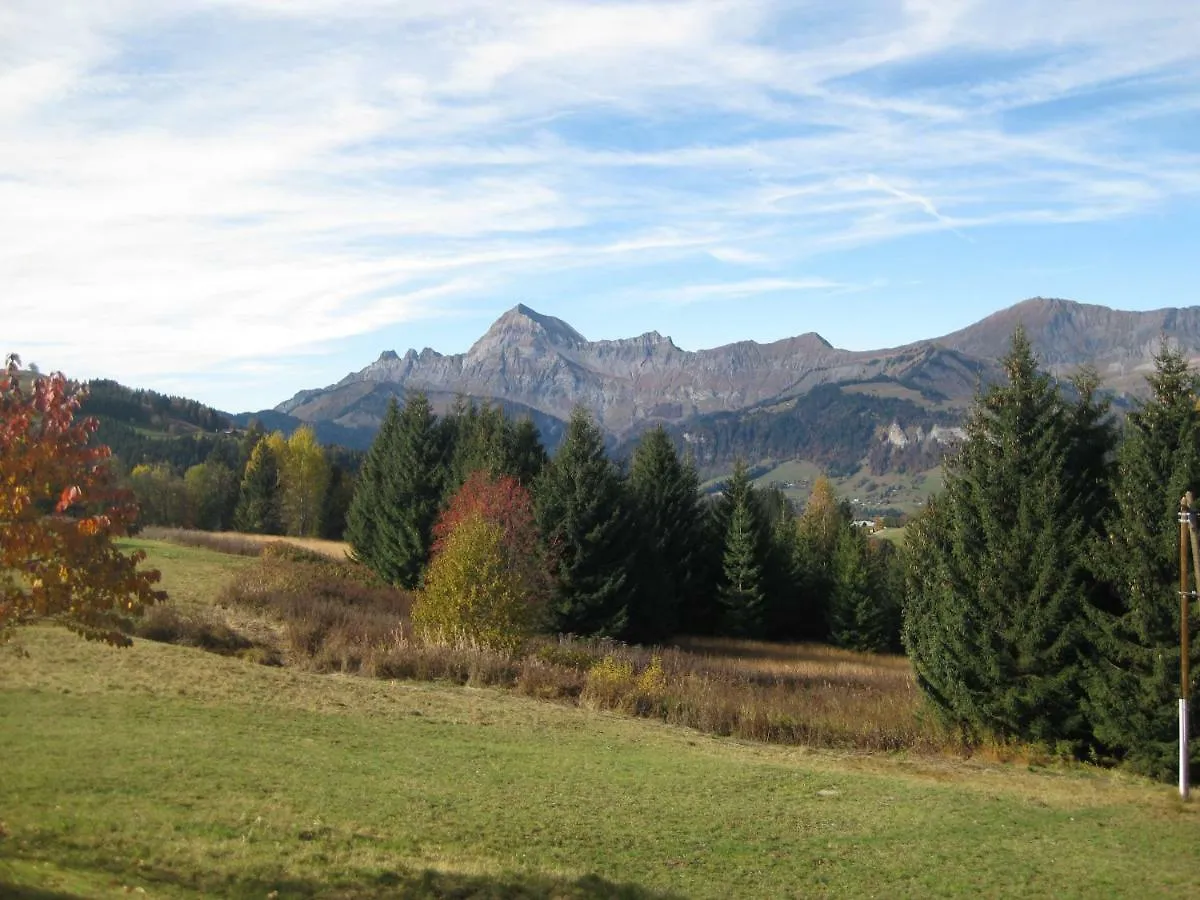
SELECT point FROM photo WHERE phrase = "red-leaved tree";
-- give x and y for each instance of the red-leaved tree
(60, 510)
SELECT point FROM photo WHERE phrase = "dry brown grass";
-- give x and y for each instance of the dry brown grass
(327, 616)
(241, 543)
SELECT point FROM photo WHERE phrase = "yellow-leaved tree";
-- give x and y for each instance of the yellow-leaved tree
(60, 510)
(303, 481)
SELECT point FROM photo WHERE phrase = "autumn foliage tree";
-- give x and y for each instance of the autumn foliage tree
(488, 581)
(60, 510)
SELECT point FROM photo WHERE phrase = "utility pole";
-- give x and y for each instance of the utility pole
(1187, 538)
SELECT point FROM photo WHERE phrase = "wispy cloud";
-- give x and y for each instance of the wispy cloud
(221, 183)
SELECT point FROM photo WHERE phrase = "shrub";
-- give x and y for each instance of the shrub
(473, 591)
(335, 616)
(609, 682)
(166, 625)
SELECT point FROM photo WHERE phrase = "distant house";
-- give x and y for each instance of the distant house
(869, 524)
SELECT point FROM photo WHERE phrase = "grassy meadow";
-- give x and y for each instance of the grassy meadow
(167, 771)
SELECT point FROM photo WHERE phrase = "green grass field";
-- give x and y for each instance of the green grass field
(907, 493)
(168, 772)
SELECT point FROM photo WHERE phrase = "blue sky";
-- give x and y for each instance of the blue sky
(237, 199)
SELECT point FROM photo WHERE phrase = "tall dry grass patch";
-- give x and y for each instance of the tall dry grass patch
(337, 617)
(244, 544)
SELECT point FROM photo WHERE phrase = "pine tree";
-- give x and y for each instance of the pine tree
(398, 494)
(666, 503)
(1133, 683)
(258, 504)
(583, 519)
(997, 573)
(741, 592)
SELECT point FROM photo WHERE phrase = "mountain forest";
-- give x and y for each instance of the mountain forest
(1035, 596)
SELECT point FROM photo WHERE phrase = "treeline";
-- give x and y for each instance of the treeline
(633, 551)
(160, 412)
(254, 482)
(1042, 585)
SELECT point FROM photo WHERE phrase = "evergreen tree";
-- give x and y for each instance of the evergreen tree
(370, 520)
(339, 494)
(859, 606)
(212, 489)
(666, 504)
(1133, 683)
(787, 602)
(818, 535)
(527, 456)
(479, 439)
(399, 491)
(997, 574)
(741, 592)
(582, 517)
(258, 504)
(483, 439)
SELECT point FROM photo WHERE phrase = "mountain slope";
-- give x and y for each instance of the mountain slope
(543, 364)
(749, 398)
(1065, 335)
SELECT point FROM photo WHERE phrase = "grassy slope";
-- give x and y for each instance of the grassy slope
(907, 493)
(188, 774)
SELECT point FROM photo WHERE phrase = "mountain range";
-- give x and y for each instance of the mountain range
(799, 397)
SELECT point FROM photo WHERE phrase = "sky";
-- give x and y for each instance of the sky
(234, 200)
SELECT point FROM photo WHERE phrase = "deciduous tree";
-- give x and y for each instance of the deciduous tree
(488, 580)
(303, 481)
(471, 592)
(60, 512)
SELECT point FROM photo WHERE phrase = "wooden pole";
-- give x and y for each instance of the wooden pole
(1185, 595)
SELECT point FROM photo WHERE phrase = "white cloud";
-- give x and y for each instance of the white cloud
(223, 183)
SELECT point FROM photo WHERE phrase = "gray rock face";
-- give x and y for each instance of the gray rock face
(541, 363)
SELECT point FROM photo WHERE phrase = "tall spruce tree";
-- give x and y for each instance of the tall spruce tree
(482, 438)
(398, 494)
(528, 455)
(1133, 682)
(741, 592)
(370, 528)
(997, 575)
(258, 510)
(861, 609)
(479, 438)
(583, 518)
(666, 505)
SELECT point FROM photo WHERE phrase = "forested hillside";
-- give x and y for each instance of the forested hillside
(830, 426)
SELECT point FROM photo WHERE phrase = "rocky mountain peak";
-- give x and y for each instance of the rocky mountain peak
(527, 329)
